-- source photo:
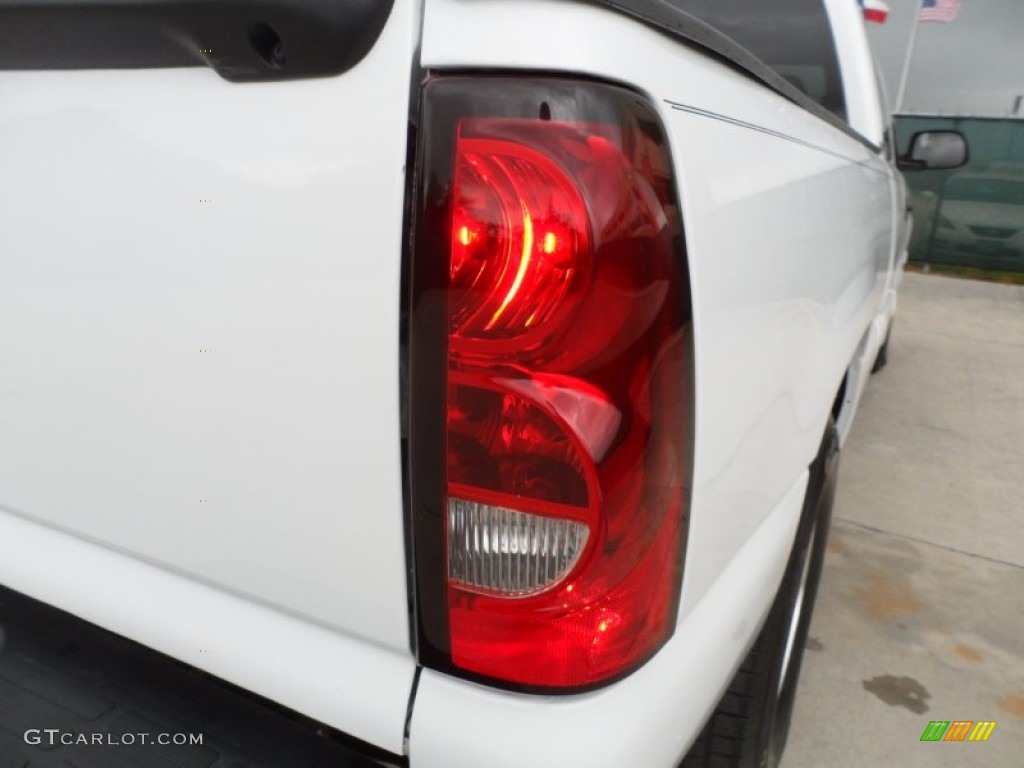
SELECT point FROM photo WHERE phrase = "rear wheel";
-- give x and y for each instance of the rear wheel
(748, 728)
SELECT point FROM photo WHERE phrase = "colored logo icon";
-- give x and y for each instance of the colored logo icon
(958, 730)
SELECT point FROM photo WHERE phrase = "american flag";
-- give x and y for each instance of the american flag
(940, 10)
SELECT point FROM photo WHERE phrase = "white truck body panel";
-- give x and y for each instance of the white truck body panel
(179, 373)
(787, 288)
(176, 374)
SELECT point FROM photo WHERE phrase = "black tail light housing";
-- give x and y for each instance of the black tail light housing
(551, 382)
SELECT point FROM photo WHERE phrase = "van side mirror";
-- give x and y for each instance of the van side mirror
(935, 151)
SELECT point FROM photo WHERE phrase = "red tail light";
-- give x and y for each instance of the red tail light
(551, 382)
(519, 237)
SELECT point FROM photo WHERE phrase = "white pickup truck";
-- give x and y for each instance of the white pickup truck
(466, 375)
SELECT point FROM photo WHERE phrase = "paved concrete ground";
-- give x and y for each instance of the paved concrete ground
(921, 611)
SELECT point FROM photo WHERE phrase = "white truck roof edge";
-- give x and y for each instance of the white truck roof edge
(863, 101)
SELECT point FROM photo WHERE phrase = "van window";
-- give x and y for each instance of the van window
(793, 37)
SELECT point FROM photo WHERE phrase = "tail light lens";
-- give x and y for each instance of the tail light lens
(550, 382)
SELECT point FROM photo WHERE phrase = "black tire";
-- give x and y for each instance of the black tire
(748, 728)
(882, 358)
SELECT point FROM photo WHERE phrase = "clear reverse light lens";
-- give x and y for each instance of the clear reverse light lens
(499, 551)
